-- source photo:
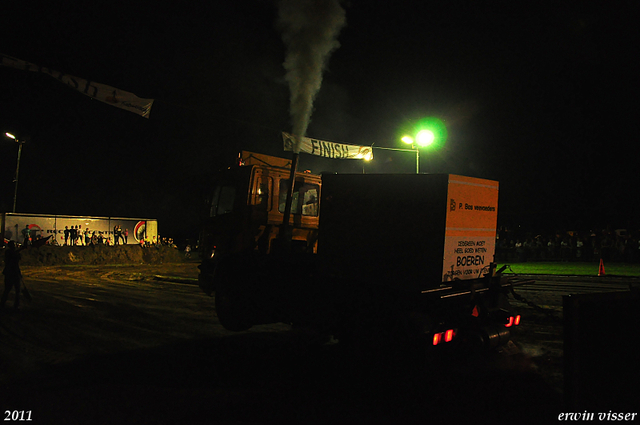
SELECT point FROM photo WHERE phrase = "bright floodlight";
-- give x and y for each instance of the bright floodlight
(367, 156)
(9, 135)
(408, 140)
(425, 137)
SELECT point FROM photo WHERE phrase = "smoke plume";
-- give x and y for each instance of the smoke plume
(310, 30)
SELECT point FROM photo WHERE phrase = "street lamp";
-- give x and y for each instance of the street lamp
(426, 132)
(423, 138)
(20, 143)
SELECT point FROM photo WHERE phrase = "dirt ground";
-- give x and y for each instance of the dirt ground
(100, 254)
(140, 343)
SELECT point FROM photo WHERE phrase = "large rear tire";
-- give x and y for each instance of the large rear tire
(235, 311)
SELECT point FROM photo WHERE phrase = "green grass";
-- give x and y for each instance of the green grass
(572, 269)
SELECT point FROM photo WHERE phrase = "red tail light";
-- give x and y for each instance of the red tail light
(446, 336)
(513, 321)
(437, 338)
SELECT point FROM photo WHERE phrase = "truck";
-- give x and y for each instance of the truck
(398, 256)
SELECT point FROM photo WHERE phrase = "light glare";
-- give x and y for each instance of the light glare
(425, 137)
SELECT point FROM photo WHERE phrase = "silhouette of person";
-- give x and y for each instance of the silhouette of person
(73, 235)
(12, 274)
(26, 235)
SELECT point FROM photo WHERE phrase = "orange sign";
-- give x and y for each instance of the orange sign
(472, 216)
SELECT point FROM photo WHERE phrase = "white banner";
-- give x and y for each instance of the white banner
(41, 226)
(327, 149)
(107, 94)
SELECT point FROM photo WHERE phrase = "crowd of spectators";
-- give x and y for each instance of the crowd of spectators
(608, 245)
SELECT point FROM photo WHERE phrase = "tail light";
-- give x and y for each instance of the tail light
(513, 321)
(446, 336)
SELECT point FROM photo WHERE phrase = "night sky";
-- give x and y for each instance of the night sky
(540, 96)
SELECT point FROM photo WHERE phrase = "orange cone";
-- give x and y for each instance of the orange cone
(601, 271)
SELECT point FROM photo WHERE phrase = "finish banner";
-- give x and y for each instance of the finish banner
(107, 94)
(326, 149)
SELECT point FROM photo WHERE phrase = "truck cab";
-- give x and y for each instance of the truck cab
(246, 211)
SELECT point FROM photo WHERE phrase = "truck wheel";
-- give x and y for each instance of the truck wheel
(235, 311)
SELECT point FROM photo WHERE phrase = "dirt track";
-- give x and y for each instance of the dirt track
(99, 254)
(141, 344)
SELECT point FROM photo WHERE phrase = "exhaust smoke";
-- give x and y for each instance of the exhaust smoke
(310, 30)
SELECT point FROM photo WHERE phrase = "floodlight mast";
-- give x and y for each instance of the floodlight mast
(416, 151)
(20, 143)
(410, 141)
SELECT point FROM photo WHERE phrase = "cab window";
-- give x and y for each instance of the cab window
(223, 200)
(304, 200)
(261, 195)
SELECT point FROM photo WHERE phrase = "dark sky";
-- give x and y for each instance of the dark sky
(540, 96)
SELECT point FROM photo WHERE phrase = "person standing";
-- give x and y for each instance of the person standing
(126, 236)
(66, 235)
(26, 235)
(12, 274)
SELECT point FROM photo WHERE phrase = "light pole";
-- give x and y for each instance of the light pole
(20, 143)
(404, 150)
(423, 138)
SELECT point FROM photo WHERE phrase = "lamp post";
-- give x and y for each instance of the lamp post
(20, 143)
(423, 138)
(404, 150)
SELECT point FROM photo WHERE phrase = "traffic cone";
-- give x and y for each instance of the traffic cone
(601, 271)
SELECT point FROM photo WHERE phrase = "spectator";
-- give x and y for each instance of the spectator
(73, 235)
(26, 235)
(565, 249)
(12, 275)
(519, 251)
(579, 247)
